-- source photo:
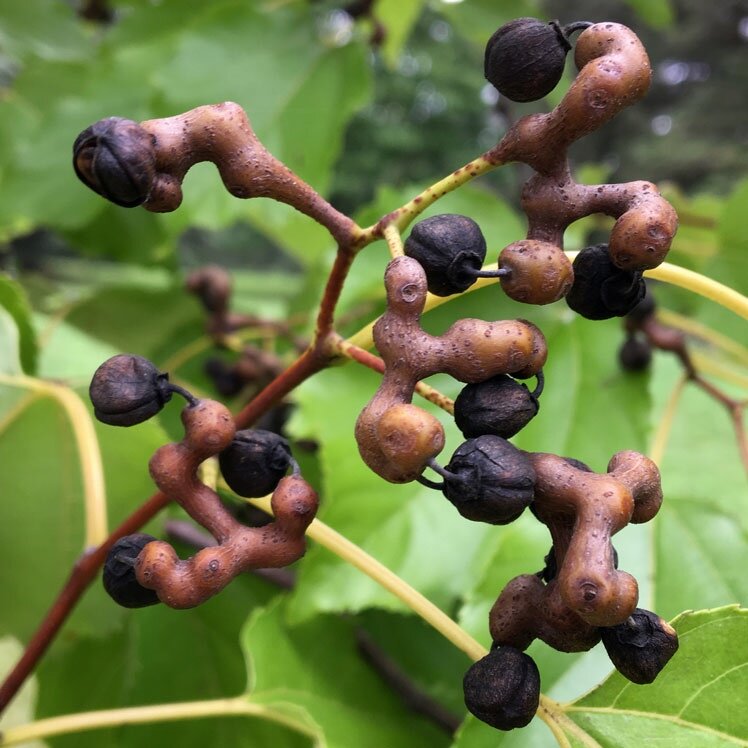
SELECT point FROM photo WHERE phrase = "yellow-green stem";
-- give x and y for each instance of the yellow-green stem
(394, 240)
(667, 273)
(352, 554)
(662, 435)
(139, 715)
(406, 213)
(704, 332)
(87, 445)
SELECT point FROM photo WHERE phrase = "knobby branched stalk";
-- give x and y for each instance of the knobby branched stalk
(248, 170)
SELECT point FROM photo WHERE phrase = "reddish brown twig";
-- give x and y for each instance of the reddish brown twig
(665, 338)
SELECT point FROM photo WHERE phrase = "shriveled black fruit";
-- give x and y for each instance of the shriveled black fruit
(128, 389)
(116, 158)
(635, 354)
(254, 462)
(500, 406)
(600, 289)
(640, 646)
(225, 379)
(450, 248)
(119, 573)
(550, 569)
(503, 688)
(644, 309)
(489, 480)
(525, 58)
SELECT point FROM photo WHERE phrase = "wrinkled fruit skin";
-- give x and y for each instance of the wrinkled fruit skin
(640, 646)
(525, 58)
(493, 480)
(119, 573)
(635, 354)
(503, 688)
(600, 289)
(115, 157)
(128, 389)
(254, 462)
(451, 249)
(500, 406)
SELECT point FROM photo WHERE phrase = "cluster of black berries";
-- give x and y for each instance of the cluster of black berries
(451, 249)
(127, 390)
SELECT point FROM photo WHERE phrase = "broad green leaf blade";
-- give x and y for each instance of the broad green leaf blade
(316, 666)
(409, 528)
(697, 701)
(657, 13)
(158, 656)
(43, 28)
(17, 336)
(398, 17)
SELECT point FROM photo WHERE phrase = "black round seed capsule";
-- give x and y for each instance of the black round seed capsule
(254, 462)
(524, 59)
(640, 646)
(600, 289)
(116, 158)
(128, 389)
(503, 688)
(119, 577)
(635, 354)
(500, 406)
(489, 480)
(450, 248)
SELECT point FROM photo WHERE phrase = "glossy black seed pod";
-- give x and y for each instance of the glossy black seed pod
(119, 573)
(525, 58)
(640, 646)
(450, 248)
(128, 389)
(254, 462)
(600, 289)
(116, 158)
(491, 480)
(635, 354)
(500, 406)
(503, 688)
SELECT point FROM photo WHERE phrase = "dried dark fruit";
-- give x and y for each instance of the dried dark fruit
(128, 389)
(254, 462)
(525, 58)
(225, 379)
(640, 646)
(489, 480)
(643, 310)
(119, 573)
(600, 289)
(500, 406)
(116, 158)
(503, 688)
(635, 354)
(450, 248)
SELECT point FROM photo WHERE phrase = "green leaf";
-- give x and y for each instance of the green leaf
(398, 17)
(44, 28)
(698, 699)
(409, 528)
(657, 13)
(161, 655)
(316, 667)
